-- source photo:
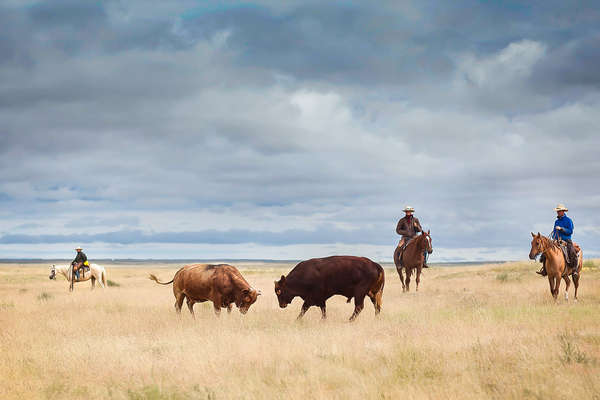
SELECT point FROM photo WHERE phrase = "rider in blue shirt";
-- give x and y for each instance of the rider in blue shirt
(563, 229)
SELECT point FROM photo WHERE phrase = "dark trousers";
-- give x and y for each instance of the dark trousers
(571, 253)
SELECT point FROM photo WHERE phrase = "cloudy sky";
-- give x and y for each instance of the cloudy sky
(296, 129)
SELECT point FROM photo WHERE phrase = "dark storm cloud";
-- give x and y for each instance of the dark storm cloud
(574, 64)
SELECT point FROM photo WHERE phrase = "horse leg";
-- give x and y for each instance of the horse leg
(551, 281)
(408, 274)
(568, 283)
(576, 284)
(399, 266)
(229, 308)
(557, 287)
(93, 282)
(418, 278)
(402, 279)
(190, 304)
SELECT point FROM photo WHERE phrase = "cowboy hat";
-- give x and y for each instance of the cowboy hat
(408, 208)
(78, 248)
(561, 207)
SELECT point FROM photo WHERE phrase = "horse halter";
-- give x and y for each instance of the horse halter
(427, 241)
(541, 245)
(52, 273)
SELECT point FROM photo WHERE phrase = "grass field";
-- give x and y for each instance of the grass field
(470, 332)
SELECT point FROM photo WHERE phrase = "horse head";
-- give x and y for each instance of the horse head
(536, 246)
(429, 246)
(52, 272)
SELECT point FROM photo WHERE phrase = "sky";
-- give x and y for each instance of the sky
(297, 129)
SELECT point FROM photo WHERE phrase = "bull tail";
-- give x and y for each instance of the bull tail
(104, 278)
(154, 278)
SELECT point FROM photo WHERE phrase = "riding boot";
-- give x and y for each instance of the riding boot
(573, 266)
(573, 260)
(542, 270)
(425, 257)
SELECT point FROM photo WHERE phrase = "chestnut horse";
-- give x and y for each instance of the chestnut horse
(555, 263)
(412, 257)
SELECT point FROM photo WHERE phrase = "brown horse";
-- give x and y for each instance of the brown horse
(555, 263)
(412, 257)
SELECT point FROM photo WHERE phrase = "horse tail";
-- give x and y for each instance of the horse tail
(154, 278)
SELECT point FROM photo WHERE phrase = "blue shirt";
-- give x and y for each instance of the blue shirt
(567, 227)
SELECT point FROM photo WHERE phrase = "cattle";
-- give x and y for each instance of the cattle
(222, 284)
(318, 279)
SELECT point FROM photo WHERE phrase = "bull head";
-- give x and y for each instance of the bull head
(283, 295)
(247, 298)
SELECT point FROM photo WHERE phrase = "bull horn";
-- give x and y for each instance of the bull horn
(532, 234)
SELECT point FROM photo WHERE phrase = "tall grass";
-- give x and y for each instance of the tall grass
(465, 334)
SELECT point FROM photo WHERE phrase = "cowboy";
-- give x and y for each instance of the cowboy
(408, 227)
(563, 229)
(79, 261)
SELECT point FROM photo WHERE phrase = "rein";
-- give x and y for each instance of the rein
(547, 244)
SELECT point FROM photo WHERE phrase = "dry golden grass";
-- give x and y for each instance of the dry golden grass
(471, 332)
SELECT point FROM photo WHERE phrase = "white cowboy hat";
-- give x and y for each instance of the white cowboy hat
(561, 207)
(408, 208)
(78, 248)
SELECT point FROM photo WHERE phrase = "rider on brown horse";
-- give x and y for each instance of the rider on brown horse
(563, 229)
(408, 227)
(80, 262)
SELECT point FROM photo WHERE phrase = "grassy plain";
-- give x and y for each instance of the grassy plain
(490, 331)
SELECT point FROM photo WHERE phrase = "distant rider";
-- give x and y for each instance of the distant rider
(79, 262)
(563, 229)
(408, 227)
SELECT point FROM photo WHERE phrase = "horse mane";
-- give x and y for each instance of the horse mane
(548, 243)
(417, 239)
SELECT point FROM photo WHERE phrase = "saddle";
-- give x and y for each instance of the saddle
(563, 247)
(403, 247)
(81, 266)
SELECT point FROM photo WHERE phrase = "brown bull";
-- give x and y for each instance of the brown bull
(318, 279)
(222, 284)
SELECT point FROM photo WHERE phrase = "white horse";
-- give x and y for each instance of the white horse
(96, 273)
